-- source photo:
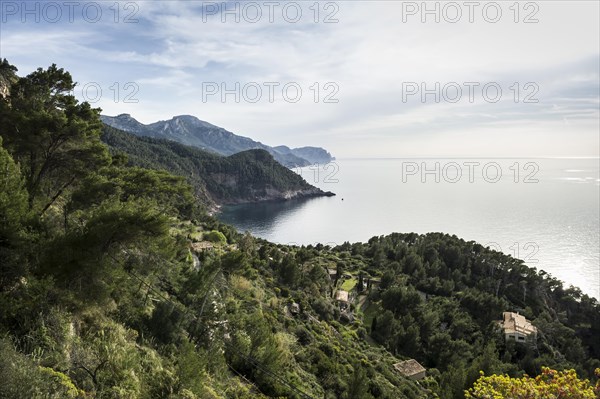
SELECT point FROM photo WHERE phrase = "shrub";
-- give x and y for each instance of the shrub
(216, 237)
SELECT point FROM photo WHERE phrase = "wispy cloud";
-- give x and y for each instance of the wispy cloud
(175, 48)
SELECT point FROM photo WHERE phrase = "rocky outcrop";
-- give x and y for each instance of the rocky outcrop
(272, 194)
(313, 155)
(4, 88)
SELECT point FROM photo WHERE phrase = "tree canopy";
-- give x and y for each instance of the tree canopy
(114, 283)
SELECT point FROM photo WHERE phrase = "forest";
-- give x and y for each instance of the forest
(246, 176)
(115, 282)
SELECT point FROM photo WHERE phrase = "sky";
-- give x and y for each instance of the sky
(359, 78)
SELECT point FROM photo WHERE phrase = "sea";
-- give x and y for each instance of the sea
(544, 211)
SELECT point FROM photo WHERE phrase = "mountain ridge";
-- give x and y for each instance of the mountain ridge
(189, 130)
(247, 176)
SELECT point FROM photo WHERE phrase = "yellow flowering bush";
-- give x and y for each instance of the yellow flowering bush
(550, 384)
(63, 382)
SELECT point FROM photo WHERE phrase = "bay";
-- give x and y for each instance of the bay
(544, 211)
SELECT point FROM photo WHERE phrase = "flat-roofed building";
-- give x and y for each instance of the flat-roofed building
(341, 296)
(332, 273)
(411, 369)
(343, 299)
(203, 246)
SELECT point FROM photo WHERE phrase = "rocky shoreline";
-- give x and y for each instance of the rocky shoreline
(276, 195)
(271, 195)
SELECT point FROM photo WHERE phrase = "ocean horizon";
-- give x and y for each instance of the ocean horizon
(544, 211)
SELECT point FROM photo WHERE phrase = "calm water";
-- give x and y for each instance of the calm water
(545, 211)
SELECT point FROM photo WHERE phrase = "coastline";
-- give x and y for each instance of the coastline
(272, 196)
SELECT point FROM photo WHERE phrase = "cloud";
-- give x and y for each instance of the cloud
(176, 48)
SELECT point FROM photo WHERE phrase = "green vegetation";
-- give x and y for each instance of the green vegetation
(243, 177)
(215, 236)
(101, 297)
(549, 384)
(440, 298)
(349, 284)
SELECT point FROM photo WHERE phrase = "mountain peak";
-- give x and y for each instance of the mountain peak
(186, 117)
(193, 121)
(124, 122)
(125, 117)
(189, 130)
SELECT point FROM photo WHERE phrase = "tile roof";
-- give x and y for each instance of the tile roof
(409, 367)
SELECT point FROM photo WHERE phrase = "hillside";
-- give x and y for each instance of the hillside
(114, 284)
(189, 130)
(315, 155)
(248, 176)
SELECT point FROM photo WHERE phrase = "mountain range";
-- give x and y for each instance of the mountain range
(189, 130)
(246, 176)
